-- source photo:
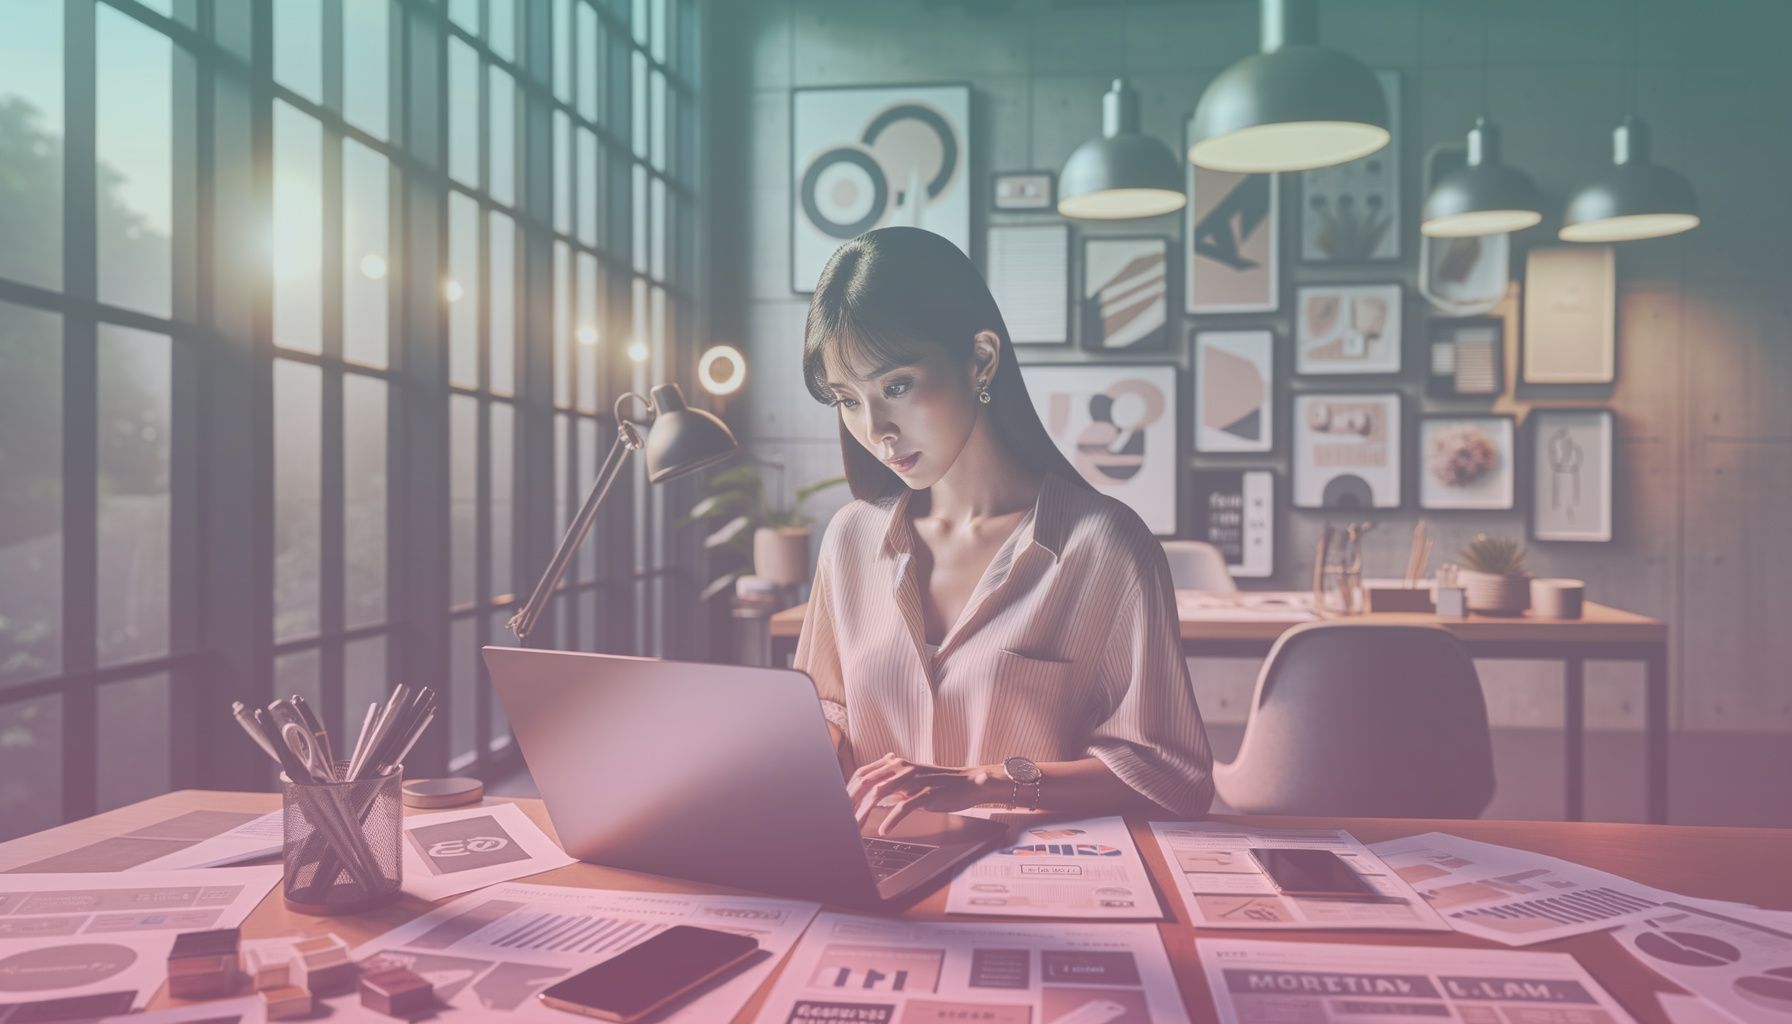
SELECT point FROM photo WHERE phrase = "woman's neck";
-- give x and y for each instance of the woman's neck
(984, 482)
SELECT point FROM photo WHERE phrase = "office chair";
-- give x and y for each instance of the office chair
(1195, 565)
(1357, 720)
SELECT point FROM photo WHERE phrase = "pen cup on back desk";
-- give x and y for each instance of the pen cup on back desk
(341, 849)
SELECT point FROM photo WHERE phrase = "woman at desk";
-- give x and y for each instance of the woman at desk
(984, 626)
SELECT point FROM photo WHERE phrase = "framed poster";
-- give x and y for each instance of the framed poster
(1023, 191)
(1347, 451)
(1467, 462)
(1125, 298)
(1234, 391)
(1571, 455)
(1350, 213)
(1570, 315)
(1117, 424)
(1467, 358)
(1029, 275)
(1231, 242)
(1235, 511)
(866, 157)
(1347, 329)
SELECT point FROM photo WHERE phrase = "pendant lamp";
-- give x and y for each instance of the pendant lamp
(1634, 197)
(1124, 174)
(1293, 107)
(1485, 197)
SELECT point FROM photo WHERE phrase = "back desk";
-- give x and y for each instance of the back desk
(1749, 865)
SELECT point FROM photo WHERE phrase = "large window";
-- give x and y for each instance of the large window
(313, 427)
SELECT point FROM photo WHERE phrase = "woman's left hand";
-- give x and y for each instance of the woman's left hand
(916, 786)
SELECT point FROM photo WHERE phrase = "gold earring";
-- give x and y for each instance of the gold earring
(983, 391)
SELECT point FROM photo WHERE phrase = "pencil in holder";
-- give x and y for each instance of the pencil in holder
(341, 848)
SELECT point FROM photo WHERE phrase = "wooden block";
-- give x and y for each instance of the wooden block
(321, 965)
(397, 992)
(217, 942)
(287, 1002)
(269, 965)
(203, 964)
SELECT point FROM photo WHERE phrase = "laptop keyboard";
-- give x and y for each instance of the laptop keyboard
(887, 856)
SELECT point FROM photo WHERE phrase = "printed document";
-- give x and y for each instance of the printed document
(1245, 606)
(1085, 869)
(1266, 982)
(1512, 896)
(458, 851)
(871, 970)
(1740, 965)
(492, 951)
(100, 934)
(252, 840)
(1222, 885)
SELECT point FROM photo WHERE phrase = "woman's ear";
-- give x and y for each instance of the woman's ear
(986, 355)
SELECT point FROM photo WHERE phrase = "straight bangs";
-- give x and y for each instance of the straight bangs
(849, 342)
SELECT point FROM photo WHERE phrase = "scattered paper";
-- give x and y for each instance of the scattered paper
(1267, 982)
(118, 853)
(870, 970)
(1245, 606)
(458, 851)
(1680, 1008)
(1512, 896)
(252, 840)
(64, 935)
(492, 951)
(1222, 885)
(1083, 869)
(246, 1010)
(1740, 968)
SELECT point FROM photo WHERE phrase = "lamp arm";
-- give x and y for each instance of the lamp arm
(627, 440)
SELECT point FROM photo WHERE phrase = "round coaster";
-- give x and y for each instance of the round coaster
(450, 792)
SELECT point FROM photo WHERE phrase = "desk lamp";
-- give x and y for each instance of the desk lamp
(680, 440)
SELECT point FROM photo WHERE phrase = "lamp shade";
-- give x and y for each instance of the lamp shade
(1633, 198)
(1293, 107)
(1123, 174)
(682, 439)
(1485, 197)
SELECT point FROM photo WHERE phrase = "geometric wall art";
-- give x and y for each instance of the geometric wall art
(1347, 451)
(1234, 389)
(1231, 242)
(1347, 329)
(873, 156)
(1117, 425)
(1125, 294)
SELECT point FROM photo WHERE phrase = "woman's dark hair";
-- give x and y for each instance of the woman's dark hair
(883, 298)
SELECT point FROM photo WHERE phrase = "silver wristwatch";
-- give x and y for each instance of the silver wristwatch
(1023, 772)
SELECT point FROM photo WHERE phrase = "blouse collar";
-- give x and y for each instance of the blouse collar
(1045, 527)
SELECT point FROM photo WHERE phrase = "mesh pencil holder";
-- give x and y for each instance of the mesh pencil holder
(341, 849)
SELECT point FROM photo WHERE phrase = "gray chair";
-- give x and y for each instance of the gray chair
(1196, 565)
(1354, 720)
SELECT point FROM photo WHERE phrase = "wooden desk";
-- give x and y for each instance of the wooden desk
(1602, 633)
(1718, 863)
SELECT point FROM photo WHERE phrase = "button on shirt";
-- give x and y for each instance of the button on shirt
(1068, 648)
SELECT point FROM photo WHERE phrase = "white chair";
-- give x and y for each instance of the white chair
(1196, 565)
(1356, 720)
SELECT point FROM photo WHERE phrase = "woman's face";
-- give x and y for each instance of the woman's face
(914, 418)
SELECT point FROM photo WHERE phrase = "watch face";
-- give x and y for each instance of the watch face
(1021, 770)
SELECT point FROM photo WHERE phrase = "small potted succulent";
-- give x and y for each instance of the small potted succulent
(1493, 573)
(774, 538)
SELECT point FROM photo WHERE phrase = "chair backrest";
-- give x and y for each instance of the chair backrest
(1360, 720)
(1197, 565)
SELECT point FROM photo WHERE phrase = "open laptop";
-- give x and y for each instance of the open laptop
(720, 773)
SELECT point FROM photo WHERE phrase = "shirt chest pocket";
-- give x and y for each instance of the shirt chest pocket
(1037, 693)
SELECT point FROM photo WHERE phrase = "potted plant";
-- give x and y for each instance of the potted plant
(772, 539)
(1494, 576)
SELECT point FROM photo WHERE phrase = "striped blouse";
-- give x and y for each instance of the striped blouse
(1067, 648)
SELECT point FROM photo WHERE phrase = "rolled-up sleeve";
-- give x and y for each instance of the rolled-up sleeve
(1153, 738)
(817, 654)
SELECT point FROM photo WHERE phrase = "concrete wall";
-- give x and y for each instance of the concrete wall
(1705, 335)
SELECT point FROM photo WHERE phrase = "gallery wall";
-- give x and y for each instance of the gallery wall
(1703, 447)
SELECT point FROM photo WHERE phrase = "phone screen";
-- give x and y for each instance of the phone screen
(1311, 873)
(637, 980)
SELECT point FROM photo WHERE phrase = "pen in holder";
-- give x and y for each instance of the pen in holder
(341, 850)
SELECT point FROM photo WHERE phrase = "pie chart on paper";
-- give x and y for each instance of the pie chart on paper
(1689, 949)
(1770, 990)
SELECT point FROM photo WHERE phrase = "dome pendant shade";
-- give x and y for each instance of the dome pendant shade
(1632, 199)
(1486, 197)
(1294, 107)
(1123, 174)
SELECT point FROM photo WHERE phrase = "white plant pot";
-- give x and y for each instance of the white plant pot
(781, 554)
(1496, 595)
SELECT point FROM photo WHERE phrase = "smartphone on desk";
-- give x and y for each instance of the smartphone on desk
(644, 978)
(1313, 873)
